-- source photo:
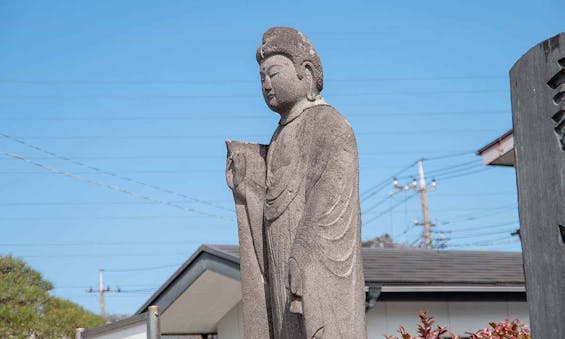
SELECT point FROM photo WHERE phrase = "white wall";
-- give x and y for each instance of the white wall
(387, 317)
(135, 331)
(231, 325)
(459, 317)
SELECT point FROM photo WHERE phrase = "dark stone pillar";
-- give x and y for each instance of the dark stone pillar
(538, 106)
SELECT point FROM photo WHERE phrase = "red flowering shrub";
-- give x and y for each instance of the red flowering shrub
(425, 329)
(503, 330)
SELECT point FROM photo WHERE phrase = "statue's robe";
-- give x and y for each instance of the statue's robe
(311, 217)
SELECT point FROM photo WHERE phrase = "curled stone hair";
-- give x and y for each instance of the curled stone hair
(295, 46)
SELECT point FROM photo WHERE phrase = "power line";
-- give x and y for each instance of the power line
(140, 286)
(474, 236)
(465, 174)
(132, 172)
(99, 243)
(496, 242)
(468, 194)
(406, 230)
(249, 96)
(74, 203)
(136, 296)
(184, 156)
(229, 81)
(141, 291)
(139, 269)
(95, 217)
(390, 208)
(377, 204)
(454, 168)
(463, 216)
(383, 184)
(378, 187)
(447, 156)
(130, 157)
(100, 255)
(112, 187)
(472, 217)
(484, 227)
(223, 136)
(208, 116)
(457, 171)
(112, 174)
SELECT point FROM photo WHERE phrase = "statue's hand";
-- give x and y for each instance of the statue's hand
(235, 172)
(296, 289)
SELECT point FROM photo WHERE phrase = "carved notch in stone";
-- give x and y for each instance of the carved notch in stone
(557, 82)
(559, 78)
(562, 233)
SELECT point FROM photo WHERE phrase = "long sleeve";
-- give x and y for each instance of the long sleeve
(249, 194)
(325, 261)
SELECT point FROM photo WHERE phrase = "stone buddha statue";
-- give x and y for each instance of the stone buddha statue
(297, 204)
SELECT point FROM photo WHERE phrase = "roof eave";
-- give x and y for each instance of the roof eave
(499, 152)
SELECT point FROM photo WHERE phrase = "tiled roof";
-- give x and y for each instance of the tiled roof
(400, 266)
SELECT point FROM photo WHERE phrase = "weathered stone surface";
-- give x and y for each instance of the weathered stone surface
(297, 202)
(538, 107)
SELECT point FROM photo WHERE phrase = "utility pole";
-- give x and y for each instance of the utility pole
(102, 291)
(421, 186)
(424, 200)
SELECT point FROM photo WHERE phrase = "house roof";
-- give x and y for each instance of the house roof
(417, 270)
(499, 152)
(210, 279)
(408, 266)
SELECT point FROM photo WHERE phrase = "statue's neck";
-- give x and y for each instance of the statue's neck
(300, 107)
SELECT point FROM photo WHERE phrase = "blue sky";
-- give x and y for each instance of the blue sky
(132, 101)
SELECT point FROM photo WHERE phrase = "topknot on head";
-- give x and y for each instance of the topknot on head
(294, 45)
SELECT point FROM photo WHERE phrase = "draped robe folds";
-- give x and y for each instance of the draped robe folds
(307, 246)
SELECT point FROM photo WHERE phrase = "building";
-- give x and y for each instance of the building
(499, 152)
(464, 290)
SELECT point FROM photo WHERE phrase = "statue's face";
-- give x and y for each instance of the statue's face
(282, 89)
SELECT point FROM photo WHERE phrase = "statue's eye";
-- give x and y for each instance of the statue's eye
(273, 74)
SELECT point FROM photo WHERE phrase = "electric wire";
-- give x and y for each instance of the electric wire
(247, 96)
(112, 174)
(59, 82)
(495, 242)
(464, 174)
(222, 137)
(380, 214)
(379, 186)
(113, 187)
(471, 217)
(141, 269)
(98, 243)
(448, 156)
(453, 168)
(484, 227)
(212, 117)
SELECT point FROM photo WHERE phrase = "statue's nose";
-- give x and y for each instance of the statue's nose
(267, 83)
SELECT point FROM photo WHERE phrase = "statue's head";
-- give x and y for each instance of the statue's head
(290, 68)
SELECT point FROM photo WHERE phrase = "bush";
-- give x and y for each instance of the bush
(502, 330)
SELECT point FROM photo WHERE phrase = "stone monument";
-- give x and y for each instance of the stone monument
(538, 107)
(297, 204)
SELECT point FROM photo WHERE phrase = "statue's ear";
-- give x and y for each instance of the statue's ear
(309, 77)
